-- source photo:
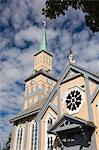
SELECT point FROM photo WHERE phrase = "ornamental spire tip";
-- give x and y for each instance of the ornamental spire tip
(71, 57)
(44, 23)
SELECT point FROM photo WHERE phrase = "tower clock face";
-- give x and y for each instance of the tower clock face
(74, 99)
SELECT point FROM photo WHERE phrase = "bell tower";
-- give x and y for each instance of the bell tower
(43, 59)
(40, 83)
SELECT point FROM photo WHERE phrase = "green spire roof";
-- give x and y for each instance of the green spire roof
(43, 44)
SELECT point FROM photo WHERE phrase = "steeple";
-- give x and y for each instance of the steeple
(43, 59)
(43, 44)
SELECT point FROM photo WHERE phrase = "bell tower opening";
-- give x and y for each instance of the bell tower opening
(43, 60)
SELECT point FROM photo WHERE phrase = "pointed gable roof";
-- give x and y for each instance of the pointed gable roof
(75, 67)
(74, 122)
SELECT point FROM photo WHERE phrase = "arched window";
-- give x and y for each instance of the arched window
(34, 137)
(50, 143)
(50, 138)
(19, 139)
(20, 142)
(18, 136)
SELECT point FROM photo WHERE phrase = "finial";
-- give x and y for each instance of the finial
(44, 23)
(71, 57)
(43, 44)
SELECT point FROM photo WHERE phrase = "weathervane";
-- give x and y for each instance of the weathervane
(71, 57)
(44, 23)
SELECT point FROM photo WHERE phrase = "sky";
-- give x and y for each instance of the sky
(20, 34)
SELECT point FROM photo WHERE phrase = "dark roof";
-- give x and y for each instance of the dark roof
(24, 114)
(34, 109)
(43, 51)
(43, 72)
(65, 116)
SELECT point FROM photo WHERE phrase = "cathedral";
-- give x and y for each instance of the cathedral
(58, 114)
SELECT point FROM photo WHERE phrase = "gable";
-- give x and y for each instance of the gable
(72, 132)
(75, 67)
(73, 98)
(67, 123)
(72, 74)
(73, 70)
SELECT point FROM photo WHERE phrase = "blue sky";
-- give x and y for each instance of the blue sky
(20, 34)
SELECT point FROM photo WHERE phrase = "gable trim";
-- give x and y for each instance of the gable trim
(85, 72)
(71, 117)
(67, 127)
(89, 106)
(95, 94)
(71, 77)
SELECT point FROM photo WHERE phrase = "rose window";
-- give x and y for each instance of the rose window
(73, 100)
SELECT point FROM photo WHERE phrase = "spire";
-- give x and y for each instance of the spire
(43, 44)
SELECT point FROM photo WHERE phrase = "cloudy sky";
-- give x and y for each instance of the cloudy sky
(20, 34)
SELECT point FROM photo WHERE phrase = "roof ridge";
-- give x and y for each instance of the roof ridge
(85, 69)
(42, 71)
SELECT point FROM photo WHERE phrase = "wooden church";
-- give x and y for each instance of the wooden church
(58, 114)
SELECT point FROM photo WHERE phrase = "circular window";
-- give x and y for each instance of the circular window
(67, 122)
(73, 100)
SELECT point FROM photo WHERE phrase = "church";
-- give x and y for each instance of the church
(58, 114)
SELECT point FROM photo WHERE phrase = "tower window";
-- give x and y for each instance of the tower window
(38, 60)
(28, 93)
(46, 60)
(49, 61)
